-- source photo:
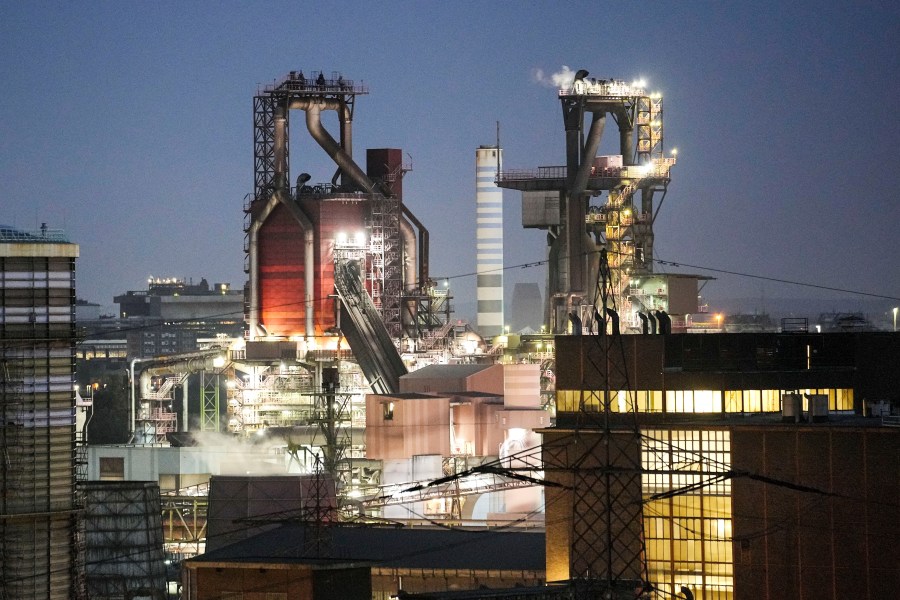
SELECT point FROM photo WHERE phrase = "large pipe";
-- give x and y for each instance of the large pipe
(423, 245)
(280, 147)
(308, 255)
(346, 119)
(408, 237)
(253, 309)
(342, 159)
(587, 156)
(348, 167)
(132, 420)
(281, 194)
(626, 137)
(575, 230)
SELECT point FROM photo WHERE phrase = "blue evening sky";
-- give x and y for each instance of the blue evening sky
(129, 125)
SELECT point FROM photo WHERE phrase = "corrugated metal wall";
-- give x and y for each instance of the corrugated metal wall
(37, 421)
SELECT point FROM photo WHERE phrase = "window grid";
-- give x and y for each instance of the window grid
(695, 401)
(688, 536)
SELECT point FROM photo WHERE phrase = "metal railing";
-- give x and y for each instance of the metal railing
(36, 236)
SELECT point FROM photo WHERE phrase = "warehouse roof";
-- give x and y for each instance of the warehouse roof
(412, 548)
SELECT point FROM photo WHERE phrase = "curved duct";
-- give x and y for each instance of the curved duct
(341, 158)
(184, 363)
(416, 262)
(253, 309)
(587, 156)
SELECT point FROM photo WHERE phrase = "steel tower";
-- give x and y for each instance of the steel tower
(558, 199)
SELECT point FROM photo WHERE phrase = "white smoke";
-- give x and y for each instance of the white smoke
(560, 80)
(224, 454)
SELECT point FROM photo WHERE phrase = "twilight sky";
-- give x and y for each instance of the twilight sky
(129, 125)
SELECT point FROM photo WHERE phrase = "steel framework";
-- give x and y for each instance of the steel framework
(623, 225)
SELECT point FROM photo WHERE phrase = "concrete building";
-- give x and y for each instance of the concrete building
(173, 299)
(171, 315)
(449, 418)
(747, 459)
(38, 510)
(489, 241)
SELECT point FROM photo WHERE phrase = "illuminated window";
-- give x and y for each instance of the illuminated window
(770, 400)
(733, 401)
(693, 401)
(843, 399)
(707, 401)
(688, 535)
(387, 411)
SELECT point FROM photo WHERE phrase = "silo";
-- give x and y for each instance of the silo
(38, 509)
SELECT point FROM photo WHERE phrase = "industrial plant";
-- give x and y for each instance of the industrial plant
(336, 431)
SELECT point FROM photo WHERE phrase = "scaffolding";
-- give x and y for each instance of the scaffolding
(384, 269)
(157, 418)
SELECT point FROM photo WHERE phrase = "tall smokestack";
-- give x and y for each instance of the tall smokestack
(489, 240)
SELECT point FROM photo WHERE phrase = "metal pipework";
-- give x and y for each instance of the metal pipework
(253, 309)
(190, 362)
(280, 195)
(416, 262)
(423, 244)
(579, 185)
(280, 147)
(408, 237)
(313, 108)
(626, 141)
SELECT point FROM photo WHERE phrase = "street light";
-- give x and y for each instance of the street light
(894, 310)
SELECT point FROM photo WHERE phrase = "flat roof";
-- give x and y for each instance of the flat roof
(446, 371)
(400, 547)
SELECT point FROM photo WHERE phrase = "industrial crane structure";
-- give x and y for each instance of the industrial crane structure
(559, 200)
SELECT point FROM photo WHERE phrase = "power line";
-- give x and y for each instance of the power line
(679, 264)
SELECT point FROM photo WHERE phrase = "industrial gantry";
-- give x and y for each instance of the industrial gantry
(338, 277)
(558, 199)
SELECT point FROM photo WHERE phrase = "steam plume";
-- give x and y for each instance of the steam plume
(561, 79)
